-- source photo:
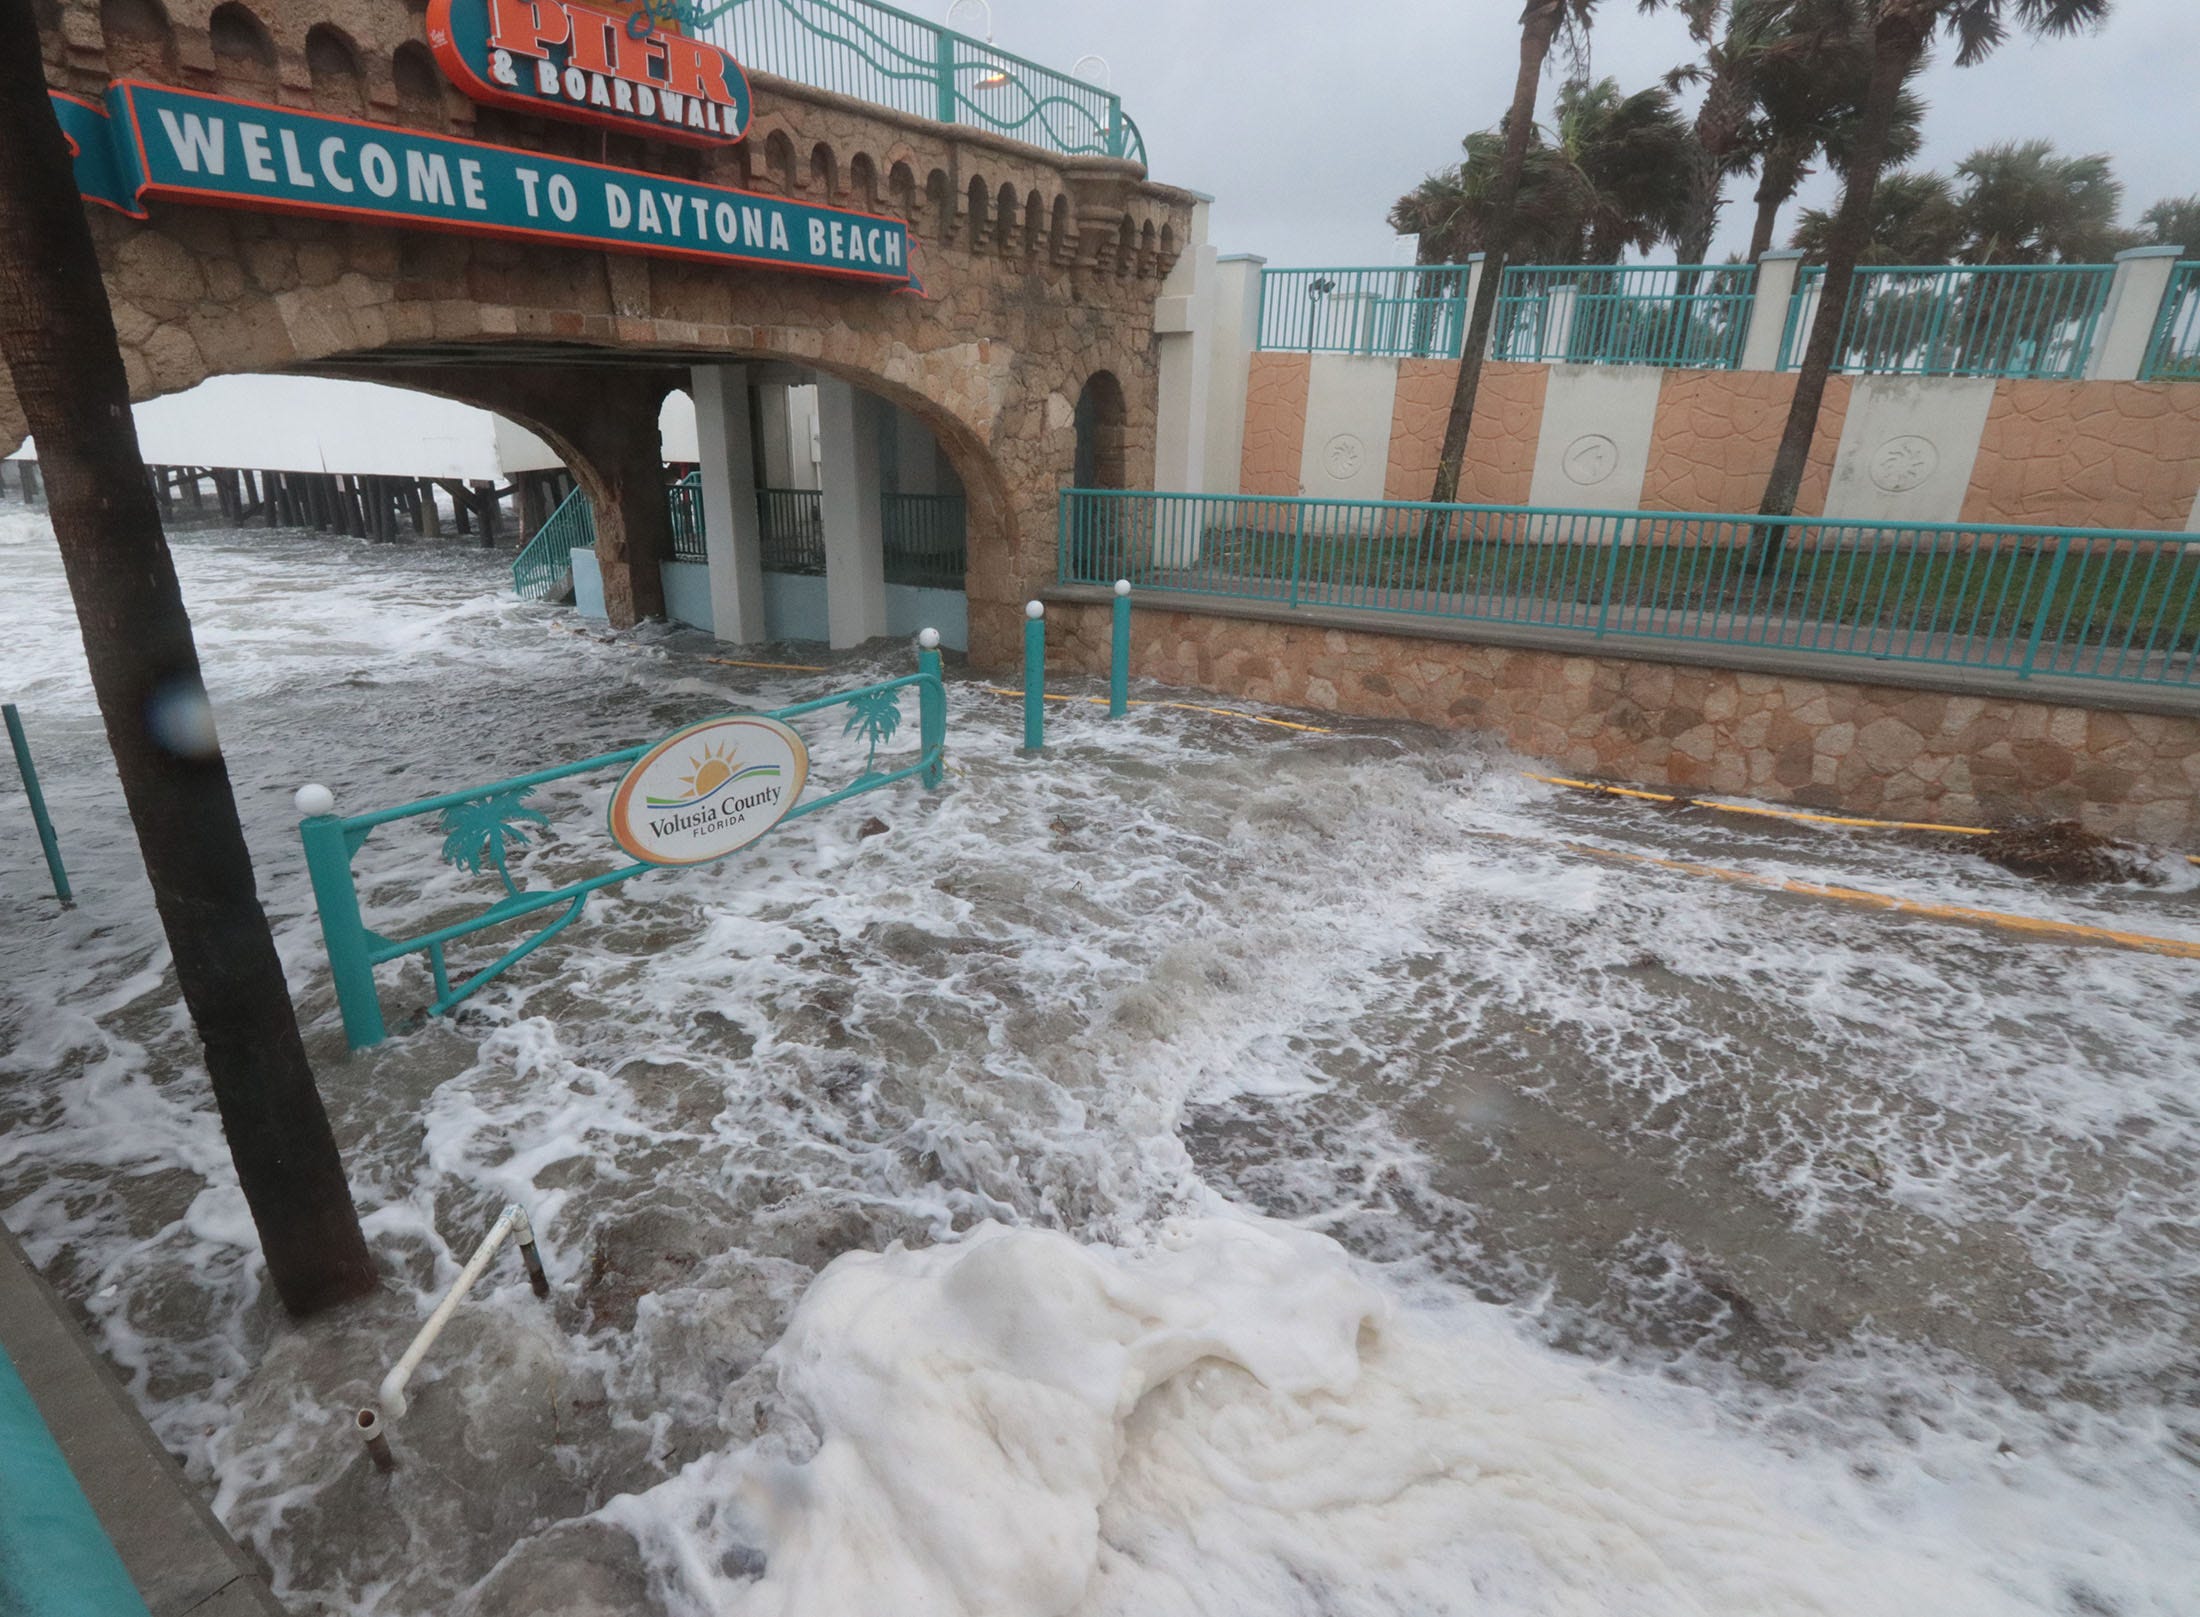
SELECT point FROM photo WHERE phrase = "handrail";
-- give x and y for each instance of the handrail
(879, 53)
(2003, 320)
(493, 826)
(2120, 606)
(2173, 353)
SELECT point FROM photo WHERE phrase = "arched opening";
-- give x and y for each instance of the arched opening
(1004, 212)
(244, 51)
(1100, 423)
(419, 85)
(939, 196)
(863, 182)
(976, 238)
(139, 39)
(824, 172)
(1060, 242)
(779, 162)
(1146, 239)
(1126, 248)
(333, 63)
(1035, 224)
(901, 191)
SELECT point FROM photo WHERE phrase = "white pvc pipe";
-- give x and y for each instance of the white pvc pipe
(511, 1222)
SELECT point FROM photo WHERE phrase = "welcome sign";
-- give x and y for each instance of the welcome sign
(154, 142)
(563, 59)
(709, 790)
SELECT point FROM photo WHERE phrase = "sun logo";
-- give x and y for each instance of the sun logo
(709, 770)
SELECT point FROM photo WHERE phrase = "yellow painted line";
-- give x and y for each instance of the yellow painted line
(784, 668)
(2030, 925)
(1772, 813)
(1184, 707)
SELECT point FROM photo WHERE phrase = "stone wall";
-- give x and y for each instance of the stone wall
(1856, 748)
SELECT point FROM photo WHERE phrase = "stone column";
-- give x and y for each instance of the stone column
(2134, 307)
(855, 541)
(1230, 343)
(1777, 274)
(1477, 266)
(625, 480)
(733, 531)
(1184, 331)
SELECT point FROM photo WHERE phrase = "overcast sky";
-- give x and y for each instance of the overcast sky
(1305, 120)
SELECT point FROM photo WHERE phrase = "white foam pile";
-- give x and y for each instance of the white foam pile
(1233, 1420)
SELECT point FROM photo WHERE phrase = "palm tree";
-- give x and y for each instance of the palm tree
(1615, 179)
(1540, 24)
(1808, 106)
(2025, 203)
(2171, 222)
(1756, 34)
(1916, 219)
(1901, 33)
(57, 337)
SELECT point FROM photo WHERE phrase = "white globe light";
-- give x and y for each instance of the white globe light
(929, 639)
(1035, 609)
(1122, 586)
(313, 800)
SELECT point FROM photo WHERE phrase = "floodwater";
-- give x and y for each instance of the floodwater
(1212, 1169)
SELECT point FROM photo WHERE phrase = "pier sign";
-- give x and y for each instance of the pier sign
(709, 790)
(150, 142)
(626, 67)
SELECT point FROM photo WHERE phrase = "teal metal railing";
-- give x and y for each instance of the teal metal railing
(887, 57)
(686, 500)
(544, 566)
(55, 1558)
(2005, 320)
(794, 530)
(1418, 313)
(495, 814)
(925, 540)
(2174, 353)
(1681, 315)
(2118, 606)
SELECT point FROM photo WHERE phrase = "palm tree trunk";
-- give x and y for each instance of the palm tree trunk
(1718, 126)
(1538, 27)
(1898, 47)
(57, 337)
(1778, 182)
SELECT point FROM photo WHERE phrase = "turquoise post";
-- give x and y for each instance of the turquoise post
(932, 709)
(2047, 605)
(39, 817)
(944, 71)
(1035, 677)
(1119, 653)
(55, 1557)
(328, 862)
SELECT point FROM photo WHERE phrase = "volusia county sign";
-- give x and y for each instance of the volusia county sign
(618, 68)
(151, 142)
(709, 790)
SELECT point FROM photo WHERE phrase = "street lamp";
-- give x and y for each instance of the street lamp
(1106, 79)
(994, 75)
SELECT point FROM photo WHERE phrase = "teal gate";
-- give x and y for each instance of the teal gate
(484, 822)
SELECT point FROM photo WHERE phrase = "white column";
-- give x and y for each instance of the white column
(1777, 274)
(2134, 305)
(733, 532)
(1475, 263)
(1184, 323)
(855, 540)
(1230, 344)
(1558, 325)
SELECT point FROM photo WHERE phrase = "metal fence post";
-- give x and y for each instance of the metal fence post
(328, 863)
(2047, 605)
(932, 709)
(39, 816)
(1035, 677)
(1298, 550)
(944, 66)
(1611, 576)
(1119, 653)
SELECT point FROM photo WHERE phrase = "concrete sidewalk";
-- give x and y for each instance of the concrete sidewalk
(175, 1551)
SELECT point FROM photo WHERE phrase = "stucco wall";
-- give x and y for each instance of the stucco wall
(2125, 454)
(1500, 459)
(1275, 422)
(1860, 748)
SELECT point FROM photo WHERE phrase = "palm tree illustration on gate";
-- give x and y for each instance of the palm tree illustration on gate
(874, 715)
(489, 826)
